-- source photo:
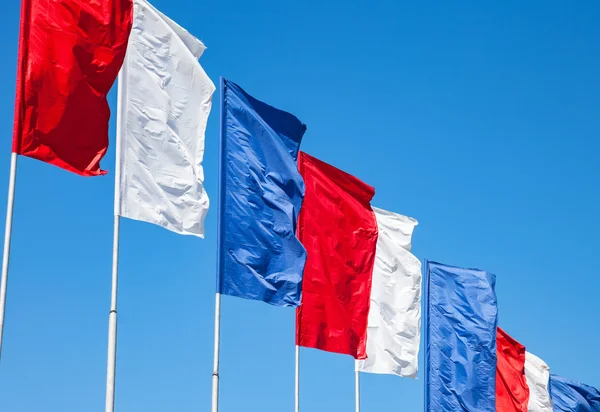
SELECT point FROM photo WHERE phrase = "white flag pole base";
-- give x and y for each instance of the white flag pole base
(7, 237)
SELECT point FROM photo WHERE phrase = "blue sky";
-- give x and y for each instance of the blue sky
(478, 119)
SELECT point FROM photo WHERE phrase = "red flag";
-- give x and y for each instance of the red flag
(512, 391)
(70, 52)
(339, 231)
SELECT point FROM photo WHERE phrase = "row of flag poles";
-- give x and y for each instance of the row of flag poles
(292, 230)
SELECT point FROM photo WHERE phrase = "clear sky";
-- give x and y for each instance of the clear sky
(480, 120)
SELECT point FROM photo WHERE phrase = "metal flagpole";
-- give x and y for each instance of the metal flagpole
(112, 316)
(425, 320)
(215, 374)
(7, 236)
(357, 389)
(297, 381)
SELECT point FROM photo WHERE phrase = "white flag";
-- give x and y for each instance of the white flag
(165, 102)
(394, 322)
(537, 375)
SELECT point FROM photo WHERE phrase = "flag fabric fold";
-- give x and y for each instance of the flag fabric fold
(262, 192)
(394, 321)
(167, 98)
(512, 391)
(537, 375)
(460, 351)
(70, 52)
(571, 396)
(339, 231)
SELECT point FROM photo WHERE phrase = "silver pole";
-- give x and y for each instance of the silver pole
(297, 381)
(112, 325)
(112, 316)
(357, 389)
(215, 375)
(220, 218)
(7, 236)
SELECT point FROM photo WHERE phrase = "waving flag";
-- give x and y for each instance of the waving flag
(537, 375)
(524, 383)
(338, 229)
(512, 391)
(394, 321)
(460, 351)
(262, 192)
(361, 293)
(167, 98)
(571, 396)
(70, 52)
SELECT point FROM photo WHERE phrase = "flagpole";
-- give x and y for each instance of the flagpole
(220, 215)
(357, 389)
(112, 316)
(112, 325)
(7, 237)
(425, 321)
(297, 381)
(215, 375)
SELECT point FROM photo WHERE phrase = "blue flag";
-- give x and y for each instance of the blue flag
(460, 352)
(568, 396)
(261, 195)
